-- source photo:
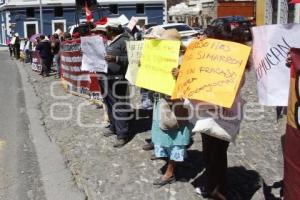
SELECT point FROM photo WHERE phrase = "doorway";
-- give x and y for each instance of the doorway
(30, 28)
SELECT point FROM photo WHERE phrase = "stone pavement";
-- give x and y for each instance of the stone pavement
(105, 173)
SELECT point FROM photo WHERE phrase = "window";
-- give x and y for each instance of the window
(114, 9)
(29, 12)
(59, 24)
(142, 21)
(275, 11)
(58, 11)
(30, 28)
(291, 13)
(140, 8)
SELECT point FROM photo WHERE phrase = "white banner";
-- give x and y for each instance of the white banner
(271, 45)
(93, 54)
(134, 52)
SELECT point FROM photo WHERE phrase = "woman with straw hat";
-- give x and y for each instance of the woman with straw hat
(170, 143)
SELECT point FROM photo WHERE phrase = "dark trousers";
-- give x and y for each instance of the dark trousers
(215, 158)
(17, 51)
(46, 64)
(10, 50)
(114, 93)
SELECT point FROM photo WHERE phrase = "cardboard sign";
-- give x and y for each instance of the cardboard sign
(134, 52)
(158, 59)
(133, 21)
(93, 54)
(271, 45)
(211, 71)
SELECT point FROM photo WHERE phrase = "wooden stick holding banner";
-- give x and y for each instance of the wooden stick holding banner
(211, 71)
(158, 59)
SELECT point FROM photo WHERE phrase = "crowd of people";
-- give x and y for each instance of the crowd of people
(170, 137)
(47, 47)
(14, 46)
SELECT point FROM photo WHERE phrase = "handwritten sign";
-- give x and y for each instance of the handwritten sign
(211, 71)
(133, 21)
(93, 54)
(158, 59)
(271, 45)
(134, 52)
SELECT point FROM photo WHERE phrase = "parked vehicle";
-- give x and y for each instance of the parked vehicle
(232, 22)
(186, 32)
(200, 30)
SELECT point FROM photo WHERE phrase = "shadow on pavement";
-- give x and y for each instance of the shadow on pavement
(242, 183)
(269, 191)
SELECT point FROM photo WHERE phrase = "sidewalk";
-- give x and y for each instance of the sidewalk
(105, 173)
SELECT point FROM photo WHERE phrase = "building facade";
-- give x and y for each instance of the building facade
(196, 13)
(277, 12)
(23, 16)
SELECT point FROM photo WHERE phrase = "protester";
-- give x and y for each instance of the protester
(55, 45)
(114, 86)
(67, 36)
(147, 95)
(28, 51)
(44, 48)
(16, 46)
(214, 148)
(10, 48)
(100, 29)
(170, 142)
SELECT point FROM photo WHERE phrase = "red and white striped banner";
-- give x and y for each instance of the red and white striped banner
(75, 80)
(36, 62)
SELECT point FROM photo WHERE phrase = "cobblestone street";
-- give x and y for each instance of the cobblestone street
(105, 173)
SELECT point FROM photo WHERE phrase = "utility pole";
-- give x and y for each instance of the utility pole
(41, 17)
(166, 12)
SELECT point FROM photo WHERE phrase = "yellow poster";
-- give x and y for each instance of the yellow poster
(158, 59)
(211, 71)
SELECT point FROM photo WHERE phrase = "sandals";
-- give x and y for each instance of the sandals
(159, 182)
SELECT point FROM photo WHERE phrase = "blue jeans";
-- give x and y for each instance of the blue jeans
(147, 99)
(56, 61)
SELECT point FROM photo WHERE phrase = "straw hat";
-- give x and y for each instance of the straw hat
(99, 28)
(116, 22)
(170, 34)
(155, 33)
(101, 25)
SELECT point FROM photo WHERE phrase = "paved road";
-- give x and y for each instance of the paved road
(31, 166)
(19, 169)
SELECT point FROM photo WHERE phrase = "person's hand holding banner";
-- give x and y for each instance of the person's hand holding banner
(211, 71)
